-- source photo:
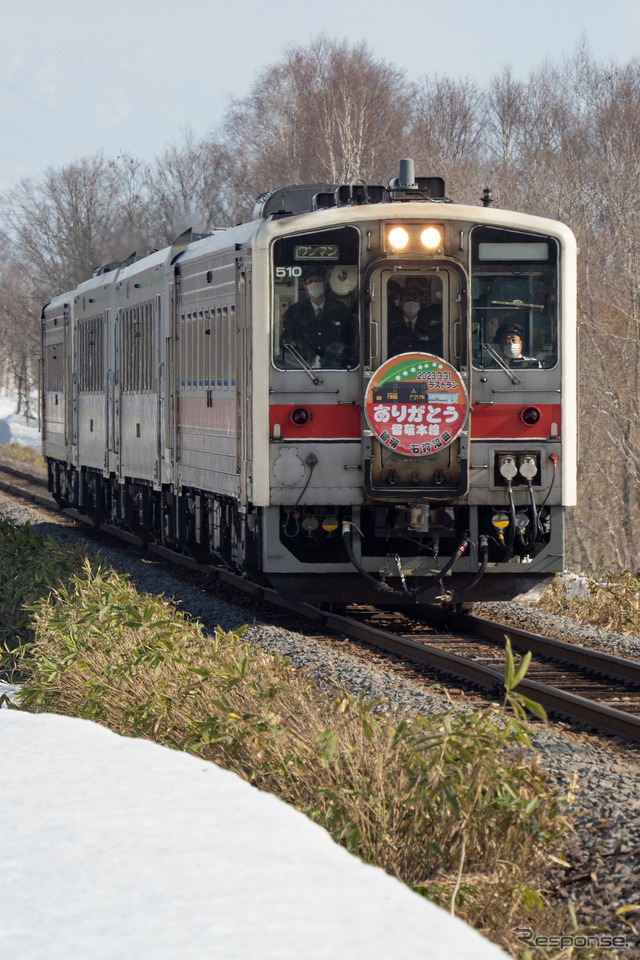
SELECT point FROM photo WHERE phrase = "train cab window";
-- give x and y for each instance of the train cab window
(414, 314)
(514, 282)
(316, 300)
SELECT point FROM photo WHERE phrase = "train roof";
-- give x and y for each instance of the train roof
(220, 240)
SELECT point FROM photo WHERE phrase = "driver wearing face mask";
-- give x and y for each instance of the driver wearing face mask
(509, 336)
(319, 327)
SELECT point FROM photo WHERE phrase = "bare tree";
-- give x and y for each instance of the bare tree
(63, 225)
(447, 136)
(20, 335)
(327, 113)
(184, 189)
(505, 103)
(575, 154)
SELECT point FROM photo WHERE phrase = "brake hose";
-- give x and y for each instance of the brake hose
(460, 550)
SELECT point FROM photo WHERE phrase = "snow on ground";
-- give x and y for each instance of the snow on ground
(117, 847)
(14, 426)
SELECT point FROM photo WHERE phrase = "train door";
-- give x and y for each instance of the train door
(244, 379)
(161, 393)
(173, 382)
(108, 381)
(113, 399)
(416, 383)
(71, 386)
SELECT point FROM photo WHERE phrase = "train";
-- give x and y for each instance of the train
(364, 394)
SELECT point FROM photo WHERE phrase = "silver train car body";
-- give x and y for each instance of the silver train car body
(178, 404)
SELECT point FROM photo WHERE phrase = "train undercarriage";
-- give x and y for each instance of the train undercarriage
(410, 553)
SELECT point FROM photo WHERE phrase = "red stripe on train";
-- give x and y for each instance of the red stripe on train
(326, 421)
(504, 421)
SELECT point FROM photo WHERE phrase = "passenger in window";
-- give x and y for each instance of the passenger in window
(394, 310)
(509, 336)
(319, 328)
(416, 328)
(493, 325)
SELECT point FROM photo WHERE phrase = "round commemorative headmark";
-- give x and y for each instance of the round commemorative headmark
(416, 404)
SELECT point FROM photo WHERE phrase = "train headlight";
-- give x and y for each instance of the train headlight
(431, 238)
(300, 416)
(398, 238)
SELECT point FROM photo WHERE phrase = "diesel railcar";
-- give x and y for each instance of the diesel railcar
(395, 446)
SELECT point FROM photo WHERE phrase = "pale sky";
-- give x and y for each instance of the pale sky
(130, 76)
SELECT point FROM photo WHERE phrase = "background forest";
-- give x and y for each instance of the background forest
(565, 142)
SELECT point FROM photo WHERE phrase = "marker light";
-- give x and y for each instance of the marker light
(330, 525)
(431, 238)
(530, 416)
(500, 521)
(299, 416)
(398, 238)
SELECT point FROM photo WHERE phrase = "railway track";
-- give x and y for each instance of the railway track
(573, 682)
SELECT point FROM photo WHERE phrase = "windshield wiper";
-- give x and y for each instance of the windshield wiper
(517, 303)
(303, 363)
(498, 359)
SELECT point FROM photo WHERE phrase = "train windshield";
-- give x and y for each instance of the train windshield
(414, 313)
(316, 300)
(514, 299)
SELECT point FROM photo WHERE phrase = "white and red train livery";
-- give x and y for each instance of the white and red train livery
(391, 447)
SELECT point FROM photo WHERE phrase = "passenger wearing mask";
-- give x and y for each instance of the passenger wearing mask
(415, 328)
(394, 311)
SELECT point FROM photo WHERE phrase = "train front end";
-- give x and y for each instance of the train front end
(419, 420)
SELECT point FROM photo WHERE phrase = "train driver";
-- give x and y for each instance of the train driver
(319, 328)
(509, 336)
(414, 326)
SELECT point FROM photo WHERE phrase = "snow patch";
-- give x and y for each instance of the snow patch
(15, 426)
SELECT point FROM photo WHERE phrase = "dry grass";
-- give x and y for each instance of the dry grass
(610, 598)
(17, 453)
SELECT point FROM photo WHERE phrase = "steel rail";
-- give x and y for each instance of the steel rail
(551, 698)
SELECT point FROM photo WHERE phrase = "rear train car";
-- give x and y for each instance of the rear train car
(415, 440)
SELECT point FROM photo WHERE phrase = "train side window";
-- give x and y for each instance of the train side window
(206, 349)
(91, 354)
(138, 348)
(181, 351)
(224, 348)
(232, 345)
(151, 341)
(126, 351)
(190, 351)
(200, 351)
(53, 367)
(219, 360)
